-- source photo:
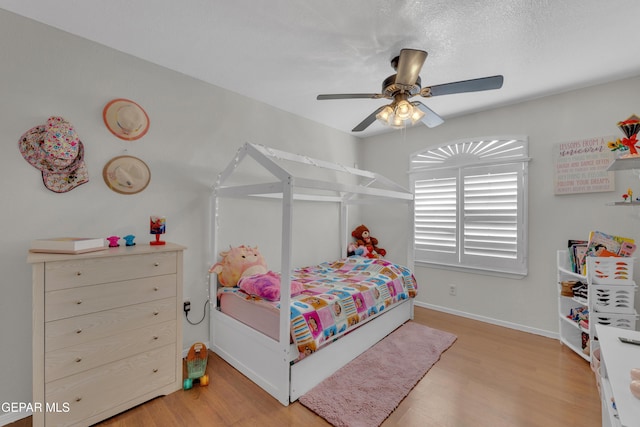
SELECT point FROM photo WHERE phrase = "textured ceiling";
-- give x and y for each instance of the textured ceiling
(285, 52)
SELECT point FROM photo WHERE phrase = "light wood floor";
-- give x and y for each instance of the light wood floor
(492, 376)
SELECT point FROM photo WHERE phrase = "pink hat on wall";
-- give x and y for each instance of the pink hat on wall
(56, 150)
(125, 119)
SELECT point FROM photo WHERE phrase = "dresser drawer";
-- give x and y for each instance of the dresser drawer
(81, 329)
(82, 272)
(91, 392)
(65, 303)
(72, 360)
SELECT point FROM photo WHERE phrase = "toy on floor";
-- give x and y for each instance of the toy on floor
(196, 366)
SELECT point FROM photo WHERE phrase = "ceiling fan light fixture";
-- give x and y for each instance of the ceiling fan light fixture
(416, 115)
(403, 110)
(385, 114)
(400, 114)
(398, 123)
(388, 117)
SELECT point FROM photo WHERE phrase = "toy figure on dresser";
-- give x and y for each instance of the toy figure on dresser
(365, 243)
(157, 226)
(129, 240)
(113, 241)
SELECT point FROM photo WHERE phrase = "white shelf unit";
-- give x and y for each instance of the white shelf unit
(609, 301)
(624, 163)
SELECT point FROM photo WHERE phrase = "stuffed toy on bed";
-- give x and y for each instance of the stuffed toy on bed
(367, 245)
(244, 266)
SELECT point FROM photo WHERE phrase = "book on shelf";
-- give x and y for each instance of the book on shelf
(607, 245)
(577, 251)
(68, 245)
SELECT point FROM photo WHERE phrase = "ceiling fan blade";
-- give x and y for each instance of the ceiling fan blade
(474, 85)
(409, 65)
(431, 118)
(366, 122)
(349, 96)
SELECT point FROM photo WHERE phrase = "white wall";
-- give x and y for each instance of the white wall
(195, 131)
(529, 303)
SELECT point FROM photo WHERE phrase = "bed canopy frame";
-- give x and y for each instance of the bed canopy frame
(291, 177)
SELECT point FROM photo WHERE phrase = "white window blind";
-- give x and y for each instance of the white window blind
(470, 205)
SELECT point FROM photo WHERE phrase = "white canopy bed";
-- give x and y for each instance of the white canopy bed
(270, 359)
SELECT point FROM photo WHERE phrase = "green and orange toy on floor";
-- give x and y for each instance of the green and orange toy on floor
(196, 366)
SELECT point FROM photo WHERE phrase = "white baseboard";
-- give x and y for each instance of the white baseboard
(12, 417)
(510, 325)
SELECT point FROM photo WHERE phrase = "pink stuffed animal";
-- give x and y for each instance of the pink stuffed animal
(241, 261)
(245, 267)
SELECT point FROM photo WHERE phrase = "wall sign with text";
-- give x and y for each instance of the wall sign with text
(580, 166)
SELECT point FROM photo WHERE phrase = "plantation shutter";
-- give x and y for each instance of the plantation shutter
(436, 217)
(491, 216)
(471, 212)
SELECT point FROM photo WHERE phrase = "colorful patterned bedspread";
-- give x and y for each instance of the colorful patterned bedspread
(338, 296)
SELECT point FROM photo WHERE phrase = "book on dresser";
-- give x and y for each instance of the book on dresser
(68, 245)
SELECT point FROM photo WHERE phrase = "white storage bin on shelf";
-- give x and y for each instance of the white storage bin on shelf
(611, 270)
(617, 320)
(613, 289)
(614, 298)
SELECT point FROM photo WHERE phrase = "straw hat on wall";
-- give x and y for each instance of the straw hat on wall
(126, 119)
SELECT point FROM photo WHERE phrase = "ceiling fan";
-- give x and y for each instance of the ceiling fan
(405, 84)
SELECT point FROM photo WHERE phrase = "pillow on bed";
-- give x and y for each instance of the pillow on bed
(267, 286)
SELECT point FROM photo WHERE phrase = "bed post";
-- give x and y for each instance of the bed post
(344, 223)
(285, 289)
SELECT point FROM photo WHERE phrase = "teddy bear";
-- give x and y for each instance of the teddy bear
(367, 242)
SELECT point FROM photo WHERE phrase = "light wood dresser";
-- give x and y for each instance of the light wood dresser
(107, 331)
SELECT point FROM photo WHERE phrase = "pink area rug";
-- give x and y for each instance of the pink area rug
(364, 392)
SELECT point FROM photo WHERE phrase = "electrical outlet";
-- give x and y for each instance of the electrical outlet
(187, 307)
(453, 291)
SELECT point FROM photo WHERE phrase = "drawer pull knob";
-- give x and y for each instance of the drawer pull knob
(155, 370)
(78, 359)
(78, 273)
(156, 264)
(79, 302)
(155, 288)
(155, 338)
(78, 399)
(78, 331)
(155, 313)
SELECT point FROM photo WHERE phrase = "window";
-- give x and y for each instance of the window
(471, 205)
